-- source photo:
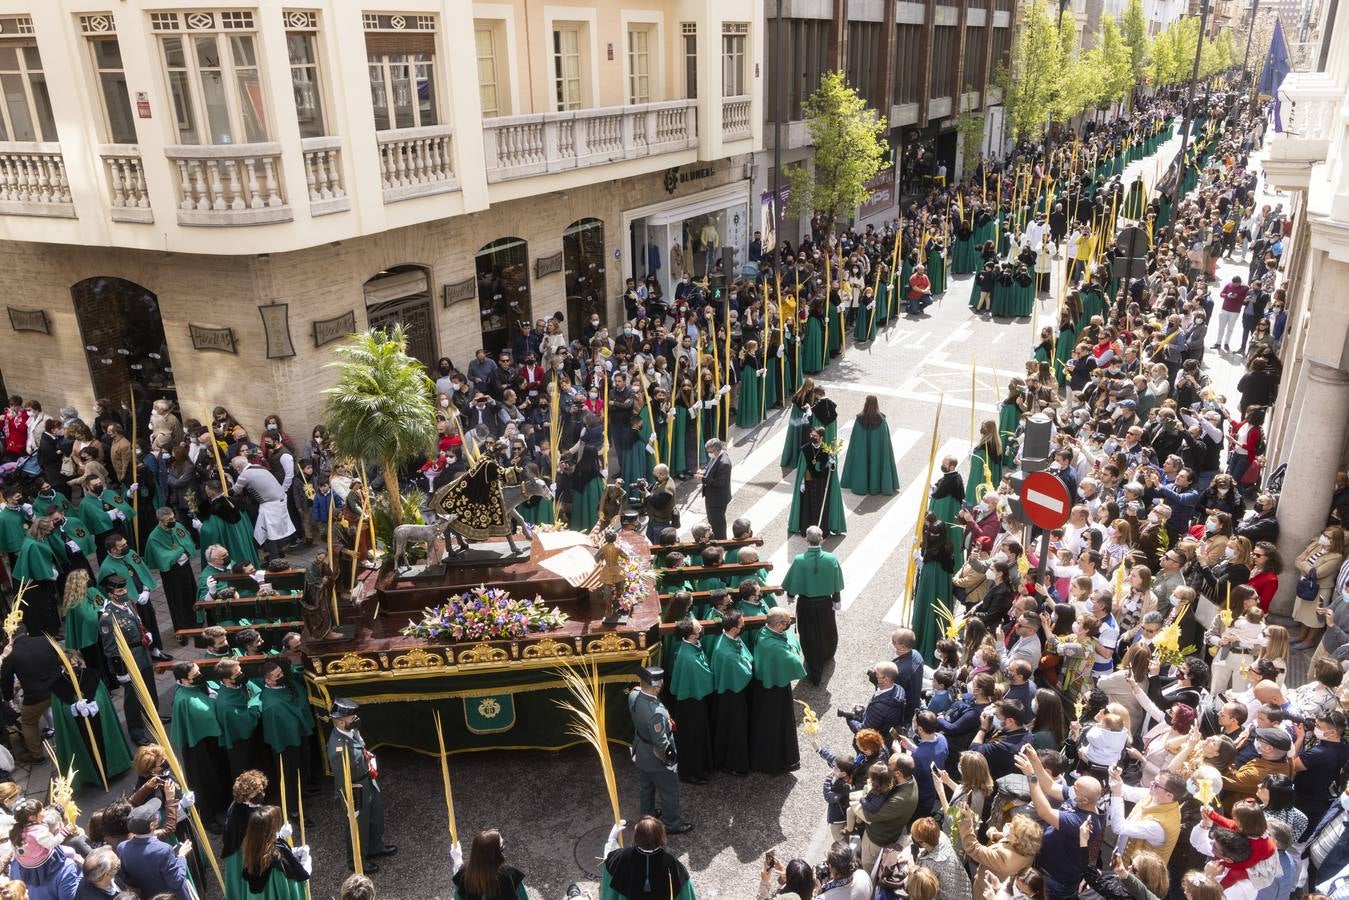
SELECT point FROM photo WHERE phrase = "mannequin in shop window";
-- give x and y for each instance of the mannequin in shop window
(711, 240)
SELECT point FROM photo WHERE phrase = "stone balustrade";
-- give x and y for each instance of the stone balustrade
(230, 184)
(323, 174)
(735, 123)
(128, 194)
(522, 146)
(416, 162)
(33, 180)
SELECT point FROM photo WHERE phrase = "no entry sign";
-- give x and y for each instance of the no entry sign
(1045, 500)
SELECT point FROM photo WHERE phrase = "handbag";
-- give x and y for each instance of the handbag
(1308, 586)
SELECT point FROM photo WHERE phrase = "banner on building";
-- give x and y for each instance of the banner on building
(882, 188)
(767, 219)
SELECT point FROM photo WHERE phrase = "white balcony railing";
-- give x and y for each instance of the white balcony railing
(735, 122)
(33, 180)
(521, 146)
(1310, 113)
(415, 162)
(323, 174)
(231, 184)
(127, 192)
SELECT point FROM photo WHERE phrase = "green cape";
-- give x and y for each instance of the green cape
(732, 665)
(163, 548)
(869, 467)
(36, 562)
(13, 529)
(285, 719)
(814, 573)
(43, 505)
(692, 676)
(126, 566)
(78, 532)
(777, 659)
(92, 513)
(193, 717)
(238, 710)
(71, 737)
(82, 620)
(236, 537)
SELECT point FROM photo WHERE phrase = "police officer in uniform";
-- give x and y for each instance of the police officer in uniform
(117, 613)
(346, 740)
(653, 750)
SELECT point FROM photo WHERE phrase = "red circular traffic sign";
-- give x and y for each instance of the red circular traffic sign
(1045, 500)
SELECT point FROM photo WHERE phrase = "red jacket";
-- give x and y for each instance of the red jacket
(16, 431)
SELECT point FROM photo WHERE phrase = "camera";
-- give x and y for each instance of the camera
(871, 676)
(822, 872)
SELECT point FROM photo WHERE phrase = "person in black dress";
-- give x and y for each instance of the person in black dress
(817, 463)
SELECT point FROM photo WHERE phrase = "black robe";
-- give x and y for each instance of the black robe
(772, 729)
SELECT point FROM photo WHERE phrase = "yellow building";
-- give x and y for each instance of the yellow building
(196, 199)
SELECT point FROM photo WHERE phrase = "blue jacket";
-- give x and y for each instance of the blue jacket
(56, 879)
(320, 508)
(1002, 750)
(910, 678)
(153, 867)
(883, 712)
(1338, 857)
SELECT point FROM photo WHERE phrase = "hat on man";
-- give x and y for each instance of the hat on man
(343, 707)
(144, 818)
(112, 582)
(1275, 737)
(651, 674)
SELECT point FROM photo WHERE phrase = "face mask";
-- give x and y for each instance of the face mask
(1210, 526)
(1230, 553)
(271, 426)
(1112, 533)
(1154, 518)
(1000, 557)
(1323, 540)
(997, 723)
(980, 509)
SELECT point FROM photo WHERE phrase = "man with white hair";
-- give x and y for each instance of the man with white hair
(815, 579)
(273, 524)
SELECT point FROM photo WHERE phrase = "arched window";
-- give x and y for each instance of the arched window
(503, 291)
(402, 295)
(583, 265)
(124, 344)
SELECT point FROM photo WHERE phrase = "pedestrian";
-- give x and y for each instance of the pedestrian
(716, 482)
(347, 753)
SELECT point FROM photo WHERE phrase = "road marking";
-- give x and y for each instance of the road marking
(893, 532)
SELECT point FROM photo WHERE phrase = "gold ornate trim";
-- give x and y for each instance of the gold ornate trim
(417, 658)
(481, 653)
(352, 662)
(610, 642)
(547, 648)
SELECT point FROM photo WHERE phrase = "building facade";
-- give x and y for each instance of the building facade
(196, 200)
(1309, 427)
(918, 64)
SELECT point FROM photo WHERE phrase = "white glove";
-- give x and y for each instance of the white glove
(871, 305)
(456, 857)
(604, 473)
(143, 597)
(304, 859)
(187, 801)
(123, 679)
(617, 831)
(77, 709)
(724, 389)
(180, 560)
(116, 514)
(259, 577)
(28, 509)
(762, 372)
(210, 584)
(782, 350)
(132, 489)
(286, 831)
(196, 523)
(90, 708)
(74, 547)
(709, 404)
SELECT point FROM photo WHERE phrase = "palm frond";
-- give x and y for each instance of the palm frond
(589, 723)
(381, 407)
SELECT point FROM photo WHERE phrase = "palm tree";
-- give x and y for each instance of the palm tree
(381, 409)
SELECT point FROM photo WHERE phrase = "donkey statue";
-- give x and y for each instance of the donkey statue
(406, 534)
(512, 495)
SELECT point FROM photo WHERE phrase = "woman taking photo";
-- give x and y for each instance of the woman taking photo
(272, 869)
(1232, 572)
(1323, 557)
(486, 875)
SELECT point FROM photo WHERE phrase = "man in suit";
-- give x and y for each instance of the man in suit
(150, 865)
(716, 479)
(885, 709)
(1327, 849)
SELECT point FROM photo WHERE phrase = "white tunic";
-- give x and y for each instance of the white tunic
(273, 522)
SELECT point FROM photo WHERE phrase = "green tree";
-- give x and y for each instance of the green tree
(1117, 74)
(846, 134)
(1134, 30)
(1031, 81)
(970, 129)
(380, 410)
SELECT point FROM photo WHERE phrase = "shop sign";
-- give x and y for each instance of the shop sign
(142, 104)
(547, 265)
(460, 290)
(328, 330)
(29, 320)
(675, 176)
(218, 339)
(276, 326)
(881, 190)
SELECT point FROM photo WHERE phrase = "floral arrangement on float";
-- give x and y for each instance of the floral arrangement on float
(486, 614)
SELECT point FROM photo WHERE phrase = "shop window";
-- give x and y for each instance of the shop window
(583, 266)
(503, 291)
(401, 295)
(123, 337)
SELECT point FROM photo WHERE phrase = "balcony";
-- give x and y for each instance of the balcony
(521, 146)
(128, 197)
(323, 174)
(735, 123)
(230, 184)
(33, 180)
(1311, 116)
(416, 162)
